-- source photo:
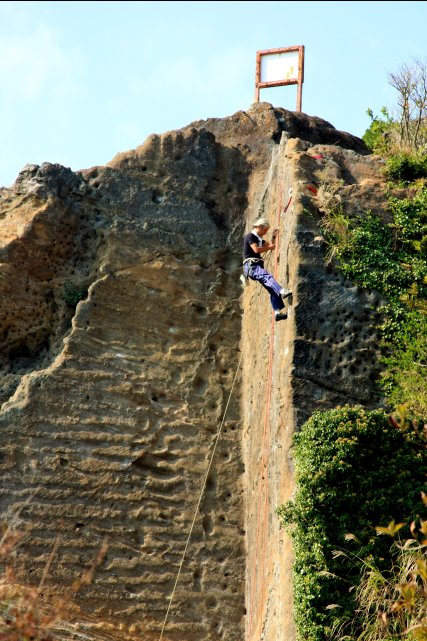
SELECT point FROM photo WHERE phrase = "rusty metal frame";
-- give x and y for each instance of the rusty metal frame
(278, 83)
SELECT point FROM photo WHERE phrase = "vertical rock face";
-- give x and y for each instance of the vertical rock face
(147, 400)
(322, 356)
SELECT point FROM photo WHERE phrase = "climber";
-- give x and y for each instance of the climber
(253, 265)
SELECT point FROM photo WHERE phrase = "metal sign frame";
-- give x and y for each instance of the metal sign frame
(298, 80)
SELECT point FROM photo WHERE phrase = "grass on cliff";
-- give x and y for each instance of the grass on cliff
(25, 615)
(392, 604)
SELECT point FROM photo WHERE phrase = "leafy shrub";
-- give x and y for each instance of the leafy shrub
(404, 378)
(73, 294)
(406, 167)
(377, 136)
(352, 469)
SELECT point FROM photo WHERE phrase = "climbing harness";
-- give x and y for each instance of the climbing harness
(245, 277)
(248, 263)
(253, 260)
(200, 499)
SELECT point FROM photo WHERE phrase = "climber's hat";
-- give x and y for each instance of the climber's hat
(261, 222)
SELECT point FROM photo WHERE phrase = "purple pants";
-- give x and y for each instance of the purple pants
(255, 272)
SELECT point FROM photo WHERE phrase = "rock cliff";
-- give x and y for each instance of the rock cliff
(146, 395)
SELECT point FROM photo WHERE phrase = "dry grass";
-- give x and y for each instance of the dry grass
(392, 605)
(24, 614)
(395, 606)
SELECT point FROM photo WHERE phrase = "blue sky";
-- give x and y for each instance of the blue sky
(82, 81)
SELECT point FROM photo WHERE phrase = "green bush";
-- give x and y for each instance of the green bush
(73, 293)
(404, 378)
(405, 167)
(353, 469)
(376, 137)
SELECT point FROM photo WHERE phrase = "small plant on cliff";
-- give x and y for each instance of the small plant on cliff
(352, 468)
(406, 168)
(378, 136)
(24, 614)
(73, 293)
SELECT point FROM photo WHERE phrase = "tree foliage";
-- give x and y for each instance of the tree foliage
(406, 129)
(410, 82)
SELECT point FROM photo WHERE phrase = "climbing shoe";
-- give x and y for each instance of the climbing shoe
(284, 293)
(278, 317)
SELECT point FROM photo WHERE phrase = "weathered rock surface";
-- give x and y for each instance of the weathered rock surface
(124, 329)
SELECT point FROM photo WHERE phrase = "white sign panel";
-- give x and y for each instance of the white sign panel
(279, 66)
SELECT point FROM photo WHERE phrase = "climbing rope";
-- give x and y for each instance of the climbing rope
(262, 506)
(200, 499)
